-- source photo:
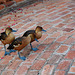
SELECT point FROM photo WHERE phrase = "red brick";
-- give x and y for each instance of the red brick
(67, 16)
(62, 38)
(72, 24)
(42, 23)
(71, 6)
(19, 0)
(2, 67)
(72, 9)
(49, 11)
(46, 55)
(68, 20)
(73, 47)
(56, 34)
(54, 59)
(40, 15)
(62, 49)
(50, 7)
(1, 7)
(52, 14)
(40, 11)
(62, 6)
(54, 46)
(64, 65)
(70, 74)
(5, 61)
(60, 3)
(70, 55)
(56, 21)
(32, 72)
(47, 69)
(73, 64)
(61, 10)
(48, 41)
(64, 13)
(7, 72)
(37, 65)
(50, 31)
(13, 65)
(31, 58)
(47, 26)
(59, 73)
(69, 33)
(54, 17)
(68, 29)
(18, 26)
(72, 69)
(70, 41)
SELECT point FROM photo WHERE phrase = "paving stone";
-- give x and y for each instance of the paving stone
(47, 69)
(62, 49)
(64, 65)
(55, 59)
(32, 72)
(54, 46)
(59, 72)
(70, 55)
(72, 69)
(37, 65)
(7, 72)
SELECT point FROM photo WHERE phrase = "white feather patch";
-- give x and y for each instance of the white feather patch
(16, 45)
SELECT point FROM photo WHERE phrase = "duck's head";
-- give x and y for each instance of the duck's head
(39, 28)
(9, 30)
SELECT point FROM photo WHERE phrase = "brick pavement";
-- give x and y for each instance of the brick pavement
(56, 54)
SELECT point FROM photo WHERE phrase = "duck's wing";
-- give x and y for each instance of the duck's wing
(29, 32)
(15, 43)
(3, 36)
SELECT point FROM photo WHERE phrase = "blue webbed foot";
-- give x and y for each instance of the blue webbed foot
(22, 58)
(35, 49)
(36, 40)
(6, 53)
(12, 50)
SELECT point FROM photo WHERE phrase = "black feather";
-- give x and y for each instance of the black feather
(28, 32)
(15, 42)
(3, 36)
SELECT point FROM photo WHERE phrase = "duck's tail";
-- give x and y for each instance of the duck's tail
(0, 37)
(10, 47)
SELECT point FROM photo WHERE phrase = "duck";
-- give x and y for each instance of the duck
(36, 34)
(19, 43)
(7, 37)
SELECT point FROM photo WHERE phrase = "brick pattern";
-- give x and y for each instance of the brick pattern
(56, 54)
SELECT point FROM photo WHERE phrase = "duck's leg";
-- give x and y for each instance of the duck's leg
(22, 58)
(12, 50)
(6, 53)
(34, 49)
(36, 40)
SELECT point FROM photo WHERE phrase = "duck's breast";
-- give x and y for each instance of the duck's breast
(8, 39)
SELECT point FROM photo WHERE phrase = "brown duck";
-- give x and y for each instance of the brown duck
(36, 34)
(19, 43)
(7, 37)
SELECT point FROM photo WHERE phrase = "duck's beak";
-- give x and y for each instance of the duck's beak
(43, 30)
(14, 30)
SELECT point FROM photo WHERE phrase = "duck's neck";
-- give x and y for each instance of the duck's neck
(7, 32)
